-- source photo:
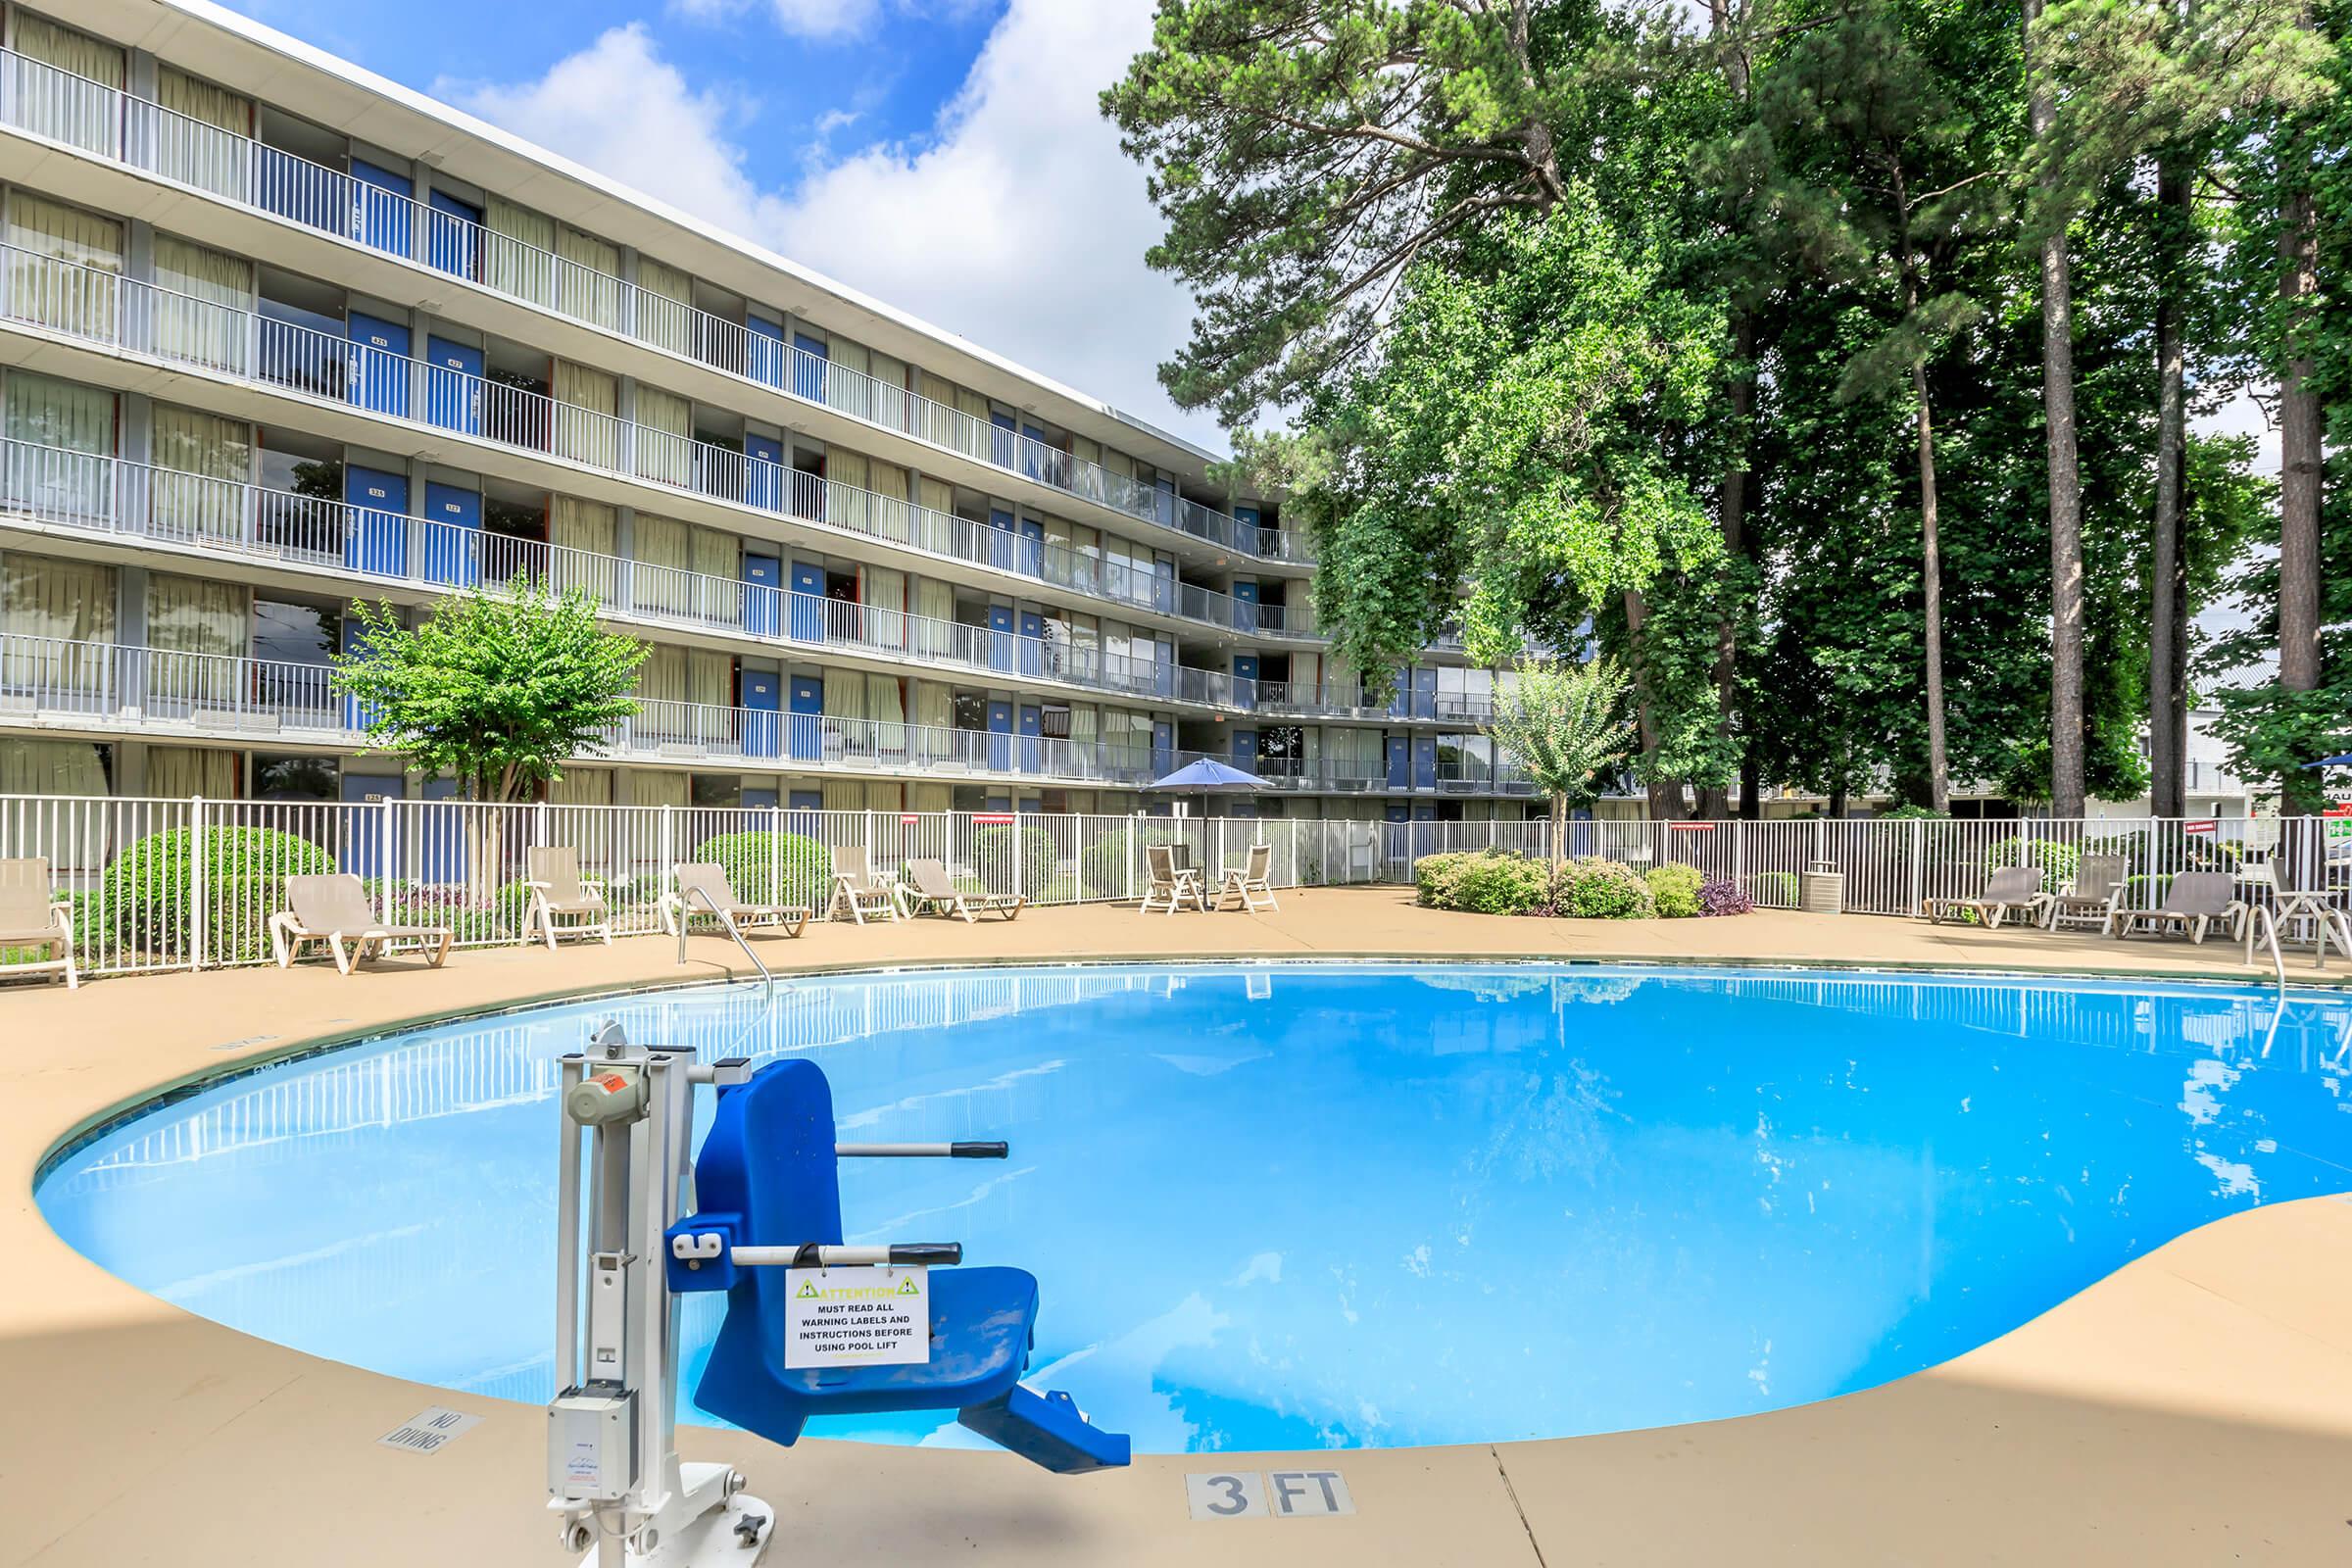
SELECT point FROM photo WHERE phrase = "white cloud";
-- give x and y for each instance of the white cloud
(825, 18)
(1017, 223)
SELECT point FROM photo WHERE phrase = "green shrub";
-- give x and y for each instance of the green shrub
(142, 900)
(1674, 889)
(1777, 889)
(1501, 884)
(799, 869)
(2055, 859)
(1915, 813)
(1594, 889)
(1434, 877)
(1103, 865)
(993, 847)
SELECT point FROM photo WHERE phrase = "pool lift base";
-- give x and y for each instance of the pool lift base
(636, 1238)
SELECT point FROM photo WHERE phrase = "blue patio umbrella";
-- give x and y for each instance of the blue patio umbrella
(1207, 776)
(2344, 760)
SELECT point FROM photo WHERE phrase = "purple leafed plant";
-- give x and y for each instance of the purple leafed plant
(1723, 897)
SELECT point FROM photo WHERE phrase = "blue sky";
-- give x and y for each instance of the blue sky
(944, 156)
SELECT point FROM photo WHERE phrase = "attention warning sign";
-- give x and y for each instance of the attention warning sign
(874, 1316)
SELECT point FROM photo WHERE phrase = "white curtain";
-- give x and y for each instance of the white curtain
(718, 554)
(588, 278)
(520, 258)
(592, 528)
(59, 616)
(208, 294)
(176, 771)
(848, 501)
(890, 392)
(665, 548)
(884, 704)
(210, 460)
(52, 768)
(844, 694)
(592, 434)
(883, 592)
(934, 703)
(201, 142)
(921, 797)
(81, 297)
(197, 627)
(662, 677)
(43, 411)
(889, 483)
(71, 110)
(844, 795)
(711, 675)
(665, 436)
(932, 630)
(664, 306)
(657, 787)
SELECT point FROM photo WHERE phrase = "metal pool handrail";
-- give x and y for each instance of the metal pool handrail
(727, 925)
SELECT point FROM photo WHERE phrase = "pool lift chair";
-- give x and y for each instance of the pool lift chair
(758, 1216)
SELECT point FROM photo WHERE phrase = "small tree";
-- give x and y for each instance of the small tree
(1566, 725)
(496, 687)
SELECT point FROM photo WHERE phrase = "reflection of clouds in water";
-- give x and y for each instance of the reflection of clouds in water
(1555, 1131)
(2200, 1097)
(2238, 1180)
(1004, 1080)
(1488, 985)
(1265, 1266)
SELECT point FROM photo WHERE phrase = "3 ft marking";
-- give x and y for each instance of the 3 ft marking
(1260, 1494)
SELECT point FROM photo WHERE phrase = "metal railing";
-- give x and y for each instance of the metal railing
(45, 101)
(142, 318)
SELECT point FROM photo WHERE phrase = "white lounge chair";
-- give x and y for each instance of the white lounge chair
(332, 910)
(859, 890)
(1249, 882)
(702, 888)
(2192, 904)
(2012, 887)
(934, 890)
(30, 917)
(1171, 886)
(2097, 893)
(559, 893)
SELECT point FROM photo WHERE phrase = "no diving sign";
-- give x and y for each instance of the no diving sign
(859, 1316)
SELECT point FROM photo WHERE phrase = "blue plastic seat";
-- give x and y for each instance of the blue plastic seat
(767, 1176)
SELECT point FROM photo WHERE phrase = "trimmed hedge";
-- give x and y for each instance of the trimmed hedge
(994, 845)
(1602, 889)
(1499, 882)
(799, 869)
(142, 900)
(1675, 890)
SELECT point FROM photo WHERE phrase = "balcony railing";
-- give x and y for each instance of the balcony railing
(103, 307)
(40, 99)
(110, 495)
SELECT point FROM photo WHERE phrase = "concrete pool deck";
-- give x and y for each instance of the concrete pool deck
(2194, 1407)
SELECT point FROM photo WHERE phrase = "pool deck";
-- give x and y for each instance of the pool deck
(2195, 1407)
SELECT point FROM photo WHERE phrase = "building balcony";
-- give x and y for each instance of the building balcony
(121, 314)
(223, 519)
(71, 111)
(1350, 700)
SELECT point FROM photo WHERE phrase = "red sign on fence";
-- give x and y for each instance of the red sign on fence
(996, 818)
(2204, 825)
(1691, 827)
(909, 819)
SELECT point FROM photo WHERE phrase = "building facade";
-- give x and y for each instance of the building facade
(278, 334)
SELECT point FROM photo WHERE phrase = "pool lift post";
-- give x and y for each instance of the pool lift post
(612, 1467)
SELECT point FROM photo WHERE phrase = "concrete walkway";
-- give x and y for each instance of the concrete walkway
(2195, 1407)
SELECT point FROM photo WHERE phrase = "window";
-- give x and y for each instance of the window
(295, 778)
(971, 713)
(717, 789)
(295, 634)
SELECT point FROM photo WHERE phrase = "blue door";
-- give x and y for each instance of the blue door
(1163, 667)
(809, 364)
(453, 385)
(1002, 539)
(1000, 642)
(380, 207)
(1245, 607)
(1000, 736)
(808, 603)
(756, 799)
(363, 850)
(766, 351)
(1033, 453)
(1246, 526)
(1031, 650)
(375, 537)
(807, 705)
(1163, 492)
(1425, 761)
(1032, 731)
(441, 842)
(452, 236)
(764, 473)
(1002, 439)
(1244, 750)
(1164, 585)
(1033, 547)
(1425, 691)
(763, 595)
(1244, 679)
(1163, 749)
(1401, 763)
(380, 365)
(762, 694)
(452, 524)
(356, 717)
(806, 801)
(1400, 695)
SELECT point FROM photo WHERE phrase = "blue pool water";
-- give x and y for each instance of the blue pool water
(1332, 1205)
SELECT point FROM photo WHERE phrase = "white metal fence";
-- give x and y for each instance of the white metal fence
(175, 884)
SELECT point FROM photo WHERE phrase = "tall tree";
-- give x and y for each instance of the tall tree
(1564, 724)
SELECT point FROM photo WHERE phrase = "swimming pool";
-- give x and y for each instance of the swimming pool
(1313, 1204)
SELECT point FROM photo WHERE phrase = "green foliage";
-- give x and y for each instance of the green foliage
(1482, 882)
(1565, 726)
(1674, 890)
(1103, 865)
(1914, 814)
(1774, 889)
(498, 688)
(788, 867)
(144, 899)
(994, 845)
(1594, 889)
(2056, 858)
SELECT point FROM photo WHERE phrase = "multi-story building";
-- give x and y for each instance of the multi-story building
(276, 334)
